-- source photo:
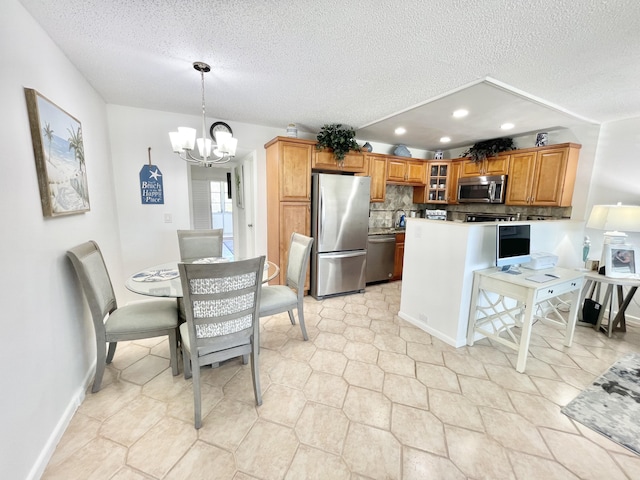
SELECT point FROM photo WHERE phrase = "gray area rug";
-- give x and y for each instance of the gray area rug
(611, 404)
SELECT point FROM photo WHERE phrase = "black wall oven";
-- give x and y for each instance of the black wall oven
(482, 189)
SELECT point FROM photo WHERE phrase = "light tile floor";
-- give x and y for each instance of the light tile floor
(369, 396)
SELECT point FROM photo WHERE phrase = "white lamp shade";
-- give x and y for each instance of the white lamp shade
(176, 141)
(623, 218)
(225, 144)
(204, 147)
(188, 136)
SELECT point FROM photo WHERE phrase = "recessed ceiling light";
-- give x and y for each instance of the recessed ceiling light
(461, 113)
(445, 139)
(507, 126)
(400, 131)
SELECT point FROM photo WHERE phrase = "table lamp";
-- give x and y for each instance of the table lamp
(615, 220)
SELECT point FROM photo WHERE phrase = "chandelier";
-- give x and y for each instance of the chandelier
(184, 140)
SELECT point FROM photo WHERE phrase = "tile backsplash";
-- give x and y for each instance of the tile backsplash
(399, 199)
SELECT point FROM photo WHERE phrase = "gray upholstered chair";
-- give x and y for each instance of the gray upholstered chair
(286, 298)
(131, 322)
(221, 306)
(195, 244)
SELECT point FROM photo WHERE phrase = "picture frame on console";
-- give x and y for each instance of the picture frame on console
(621, 260)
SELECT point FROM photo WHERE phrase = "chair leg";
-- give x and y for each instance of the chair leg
(173, 348)
(112, 351)
(245, 359)
(197, 398)
(186, 362)
(291, 317)
(255, 375)
(301, 319)
(101, 354)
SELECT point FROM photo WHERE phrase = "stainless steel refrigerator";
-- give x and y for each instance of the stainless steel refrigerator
(339, 226)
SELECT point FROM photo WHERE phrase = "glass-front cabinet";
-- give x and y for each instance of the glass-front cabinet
(437, 184)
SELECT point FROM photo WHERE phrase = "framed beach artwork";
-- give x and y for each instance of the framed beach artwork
(59, 155)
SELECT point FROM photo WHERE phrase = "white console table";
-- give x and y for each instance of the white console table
(493, 316)
(618, 323)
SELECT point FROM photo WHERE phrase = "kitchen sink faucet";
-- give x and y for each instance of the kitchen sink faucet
(396, 220)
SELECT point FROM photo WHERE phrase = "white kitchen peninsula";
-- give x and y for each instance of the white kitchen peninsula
(439, 260)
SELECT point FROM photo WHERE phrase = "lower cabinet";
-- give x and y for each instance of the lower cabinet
(399, 257)
(294, 217)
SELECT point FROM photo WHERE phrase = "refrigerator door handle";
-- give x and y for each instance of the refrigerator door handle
(321, 222)
(359, 253)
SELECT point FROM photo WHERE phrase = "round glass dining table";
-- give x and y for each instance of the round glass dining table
(164, 280)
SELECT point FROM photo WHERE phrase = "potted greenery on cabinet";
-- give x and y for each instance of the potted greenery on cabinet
(489, 148)
(339, 138)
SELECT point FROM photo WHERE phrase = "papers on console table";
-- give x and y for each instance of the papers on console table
(541, 277)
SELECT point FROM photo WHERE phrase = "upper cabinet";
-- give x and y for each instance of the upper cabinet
(294, 170)
(378, 172)
(543, 176)
(405, 172)
(441, 183)
(324, 159)
(452, 185)
(490, 166)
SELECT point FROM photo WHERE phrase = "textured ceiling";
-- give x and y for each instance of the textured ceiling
(313, 62)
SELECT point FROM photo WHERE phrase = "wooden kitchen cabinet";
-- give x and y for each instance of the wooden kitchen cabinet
(498, 165)
(399, 257)
(452, 184)
(288, 170)
(294, 170)
(324, 159)
(378, 173)
(405, 172)
(438, 179)
(542, 176)
(416, 171)
(396, 170)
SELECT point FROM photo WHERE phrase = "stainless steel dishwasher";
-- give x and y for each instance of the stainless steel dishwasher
(381, 250)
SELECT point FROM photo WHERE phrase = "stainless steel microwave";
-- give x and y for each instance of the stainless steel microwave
(482, 189)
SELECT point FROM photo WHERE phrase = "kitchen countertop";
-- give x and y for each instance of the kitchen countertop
(386, 230)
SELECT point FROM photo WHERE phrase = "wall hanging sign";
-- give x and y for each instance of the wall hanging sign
(59, 155)
(151, 190)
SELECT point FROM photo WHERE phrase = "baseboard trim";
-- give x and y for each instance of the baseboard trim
(46, 453)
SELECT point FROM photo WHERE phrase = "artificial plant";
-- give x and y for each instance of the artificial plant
(340, 139)
(489, 148)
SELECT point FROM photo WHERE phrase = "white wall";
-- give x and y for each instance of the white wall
(48, 342)
(146, 238)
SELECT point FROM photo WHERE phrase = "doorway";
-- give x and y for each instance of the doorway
(211, 205)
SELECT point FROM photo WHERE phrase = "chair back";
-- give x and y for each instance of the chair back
(89, 265)
(222, 303)
(196, 244)
(298, 261)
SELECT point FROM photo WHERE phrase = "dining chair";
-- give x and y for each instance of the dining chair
(195, 244)
(221, 306)
(286, 298)
(133, 321)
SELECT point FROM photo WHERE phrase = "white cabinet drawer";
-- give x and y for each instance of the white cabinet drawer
(550, 291)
